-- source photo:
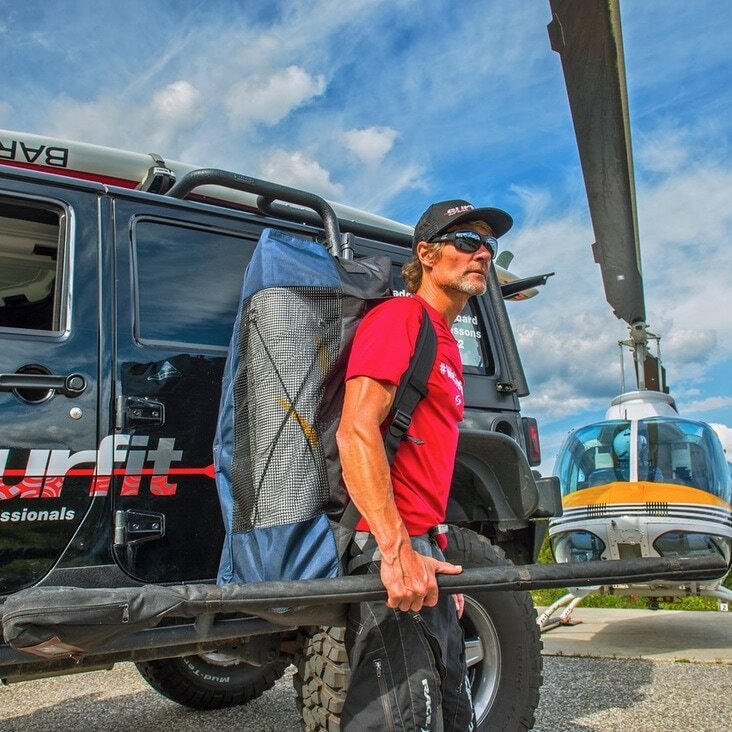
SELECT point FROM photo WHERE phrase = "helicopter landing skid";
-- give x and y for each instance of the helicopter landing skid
(546, 622)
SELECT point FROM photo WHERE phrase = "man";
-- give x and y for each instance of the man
(407, 656)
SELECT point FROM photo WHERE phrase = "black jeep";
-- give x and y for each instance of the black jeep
(116, 306)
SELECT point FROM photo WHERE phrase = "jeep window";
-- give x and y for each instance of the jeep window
(470, 338)
(31, 265)
(468, 331)
(187, 283)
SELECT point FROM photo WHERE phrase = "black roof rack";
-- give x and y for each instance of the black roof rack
(316, 212)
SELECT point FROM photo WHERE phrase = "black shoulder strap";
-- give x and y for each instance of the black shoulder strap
(412, 388)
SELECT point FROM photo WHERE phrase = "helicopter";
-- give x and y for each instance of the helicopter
(643, 482)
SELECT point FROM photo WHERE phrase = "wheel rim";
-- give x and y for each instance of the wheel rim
(219, 659)
(482, 656)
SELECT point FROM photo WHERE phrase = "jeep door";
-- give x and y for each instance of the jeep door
(49, 341)
(179, 272)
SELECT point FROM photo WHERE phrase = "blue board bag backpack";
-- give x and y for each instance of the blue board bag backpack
(277, 468)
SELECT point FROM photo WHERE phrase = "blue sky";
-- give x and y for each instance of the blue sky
(388, 105)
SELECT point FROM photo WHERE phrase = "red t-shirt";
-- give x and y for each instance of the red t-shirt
(422, 470)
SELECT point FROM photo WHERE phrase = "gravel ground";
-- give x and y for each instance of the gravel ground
(643, 696)
(578, 694)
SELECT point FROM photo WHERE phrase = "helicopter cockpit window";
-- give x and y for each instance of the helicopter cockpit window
(589, 456)
(684, 453)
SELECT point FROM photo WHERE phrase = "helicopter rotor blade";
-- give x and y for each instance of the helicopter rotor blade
(588, 38)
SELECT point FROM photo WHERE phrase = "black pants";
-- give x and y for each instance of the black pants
(408, 669)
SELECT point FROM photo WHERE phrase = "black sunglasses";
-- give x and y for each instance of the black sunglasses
(468, 241)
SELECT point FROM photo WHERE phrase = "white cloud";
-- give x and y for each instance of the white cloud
(268, 99)
(88, 121)
(686, 347)
(708, 404)
(156, 123)
(567, 336)
(298, 170)
(174, 110)
(536, 204)
(687, 208)
(725, 437)
(176, 102)
(370, 144)
(686, 226)
(380, 186)
(557, 399)
(665, 152)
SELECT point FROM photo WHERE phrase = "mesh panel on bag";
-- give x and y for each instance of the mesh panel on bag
(289, 341)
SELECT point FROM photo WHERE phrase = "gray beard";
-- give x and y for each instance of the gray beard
(466, 287)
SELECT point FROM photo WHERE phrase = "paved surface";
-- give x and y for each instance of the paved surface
(585, 693)
(657, 635)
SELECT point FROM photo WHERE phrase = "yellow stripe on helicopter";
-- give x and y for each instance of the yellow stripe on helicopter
(619, 492)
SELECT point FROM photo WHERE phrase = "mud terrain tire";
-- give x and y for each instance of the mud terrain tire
(210, 681)
(502, 644)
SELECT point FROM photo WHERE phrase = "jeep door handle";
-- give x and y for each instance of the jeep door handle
(71, 386)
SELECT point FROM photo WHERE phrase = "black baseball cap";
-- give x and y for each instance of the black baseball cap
(441, 216)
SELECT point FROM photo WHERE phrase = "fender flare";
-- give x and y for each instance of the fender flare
(492, 481)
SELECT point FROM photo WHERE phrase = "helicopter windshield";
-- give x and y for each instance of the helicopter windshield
(586, 457)
(665, 450)
(684, 453)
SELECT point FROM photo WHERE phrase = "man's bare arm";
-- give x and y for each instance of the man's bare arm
(409, 577)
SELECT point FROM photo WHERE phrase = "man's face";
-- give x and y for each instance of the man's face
(463, 272)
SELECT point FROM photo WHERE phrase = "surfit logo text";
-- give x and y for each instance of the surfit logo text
(43, 473)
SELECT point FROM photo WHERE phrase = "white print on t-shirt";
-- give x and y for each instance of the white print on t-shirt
(448, 371)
